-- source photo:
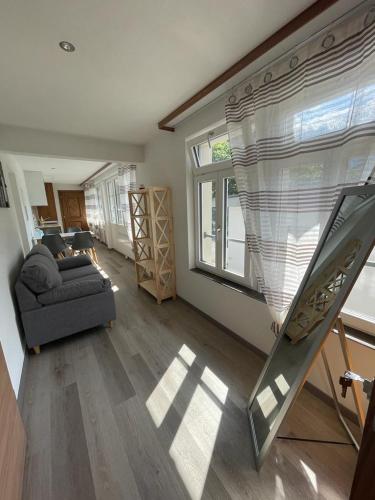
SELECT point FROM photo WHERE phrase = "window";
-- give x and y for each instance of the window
(335, 114)
(358, 311)
(220, 230)
(213, 149)
(322, 119)
(207, 219)
(116, 215)
(234, 229)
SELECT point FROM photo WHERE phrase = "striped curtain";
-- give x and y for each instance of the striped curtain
(91, 205)
(300, 131)
(126, 183)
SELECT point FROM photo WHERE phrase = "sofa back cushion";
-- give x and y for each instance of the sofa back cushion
(40, 274)
(74, 290)
(40, 249)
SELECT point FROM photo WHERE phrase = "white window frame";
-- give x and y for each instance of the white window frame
(355, 318)
(119, 215)
(216, 172)
(112, 211)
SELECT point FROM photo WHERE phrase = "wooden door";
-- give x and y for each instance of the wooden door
(73, 211)
(12, 439)
(49, 212)
(364, 479)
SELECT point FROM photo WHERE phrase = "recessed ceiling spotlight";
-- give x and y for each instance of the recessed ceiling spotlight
(67, 46)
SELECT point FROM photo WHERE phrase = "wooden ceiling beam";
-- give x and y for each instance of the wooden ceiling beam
(288, 29)
(99, 171)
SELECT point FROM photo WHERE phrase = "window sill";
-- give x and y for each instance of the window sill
(362, 338)
(230, 284)
(352, 334)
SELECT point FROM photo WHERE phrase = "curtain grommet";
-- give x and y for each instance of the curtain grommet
(232, 99)
(370, 17)
(248, 88)
(328, 41)
(293, 62)
(267, 77)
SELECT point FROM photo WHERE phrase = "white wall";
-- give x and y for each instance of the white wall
(166, 164)
(15, 241)
(45, 143)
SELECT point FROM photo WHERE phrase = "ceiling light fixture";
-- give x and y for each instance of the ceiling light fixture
(67, 46)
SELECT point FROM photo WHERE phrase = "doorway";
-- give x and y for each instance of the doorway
(73, 211)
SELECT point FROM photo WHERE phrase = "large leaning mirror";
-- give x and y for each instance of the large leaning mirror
(341, 253)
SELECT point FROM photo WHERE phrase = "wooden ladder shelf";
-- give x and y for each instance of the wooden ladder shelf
(153, 245)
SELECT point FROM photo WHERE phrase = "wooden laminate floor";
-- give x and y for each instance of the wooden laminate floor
(155, 409)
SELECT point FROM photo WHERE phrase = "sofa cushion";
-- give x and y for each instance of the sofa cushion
(73, 262)
(73, 290)
(40, 249)
(89, 277)
(40, 274)
(78, 272)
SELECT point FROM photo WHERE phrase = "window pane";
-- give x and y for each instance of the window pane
(112, 201)
(336, 114)
(207, 215)
(234, 230)
(213, 151)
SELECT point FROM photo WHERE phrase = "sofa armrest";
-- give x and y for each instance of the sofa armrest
(72, 262)
(73, 290)
(27, 300)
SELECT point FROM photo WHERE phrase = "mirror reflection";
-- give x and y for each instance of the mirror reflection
(308, 322)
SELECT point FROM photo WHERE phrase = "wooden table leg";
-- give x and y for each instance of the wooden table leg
(95, 257)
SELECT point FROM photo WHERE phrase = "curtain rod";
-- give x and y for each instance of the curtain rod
(309, 38)
(336, 21)
(101, 169)
(288, 29)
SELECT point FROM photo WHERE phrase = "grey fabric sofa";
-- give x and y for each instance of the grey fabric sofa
(59, 298)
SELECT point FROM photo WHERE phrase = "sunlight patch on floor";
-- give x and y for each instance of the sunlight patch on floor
(194, 442)
(164, 393)
(115, 288)
(187, 355)
(102, 272)
(216, 386)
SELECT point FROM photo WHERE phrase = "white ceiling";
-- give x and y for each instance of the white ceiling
(58, 170)
(135, 60)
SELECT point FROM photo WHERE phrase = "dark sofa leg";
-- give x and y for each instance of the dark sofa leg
(110, 323)
(37, 349)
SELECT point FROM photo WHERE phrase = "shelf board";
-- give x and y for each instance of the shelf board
(150, 286)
